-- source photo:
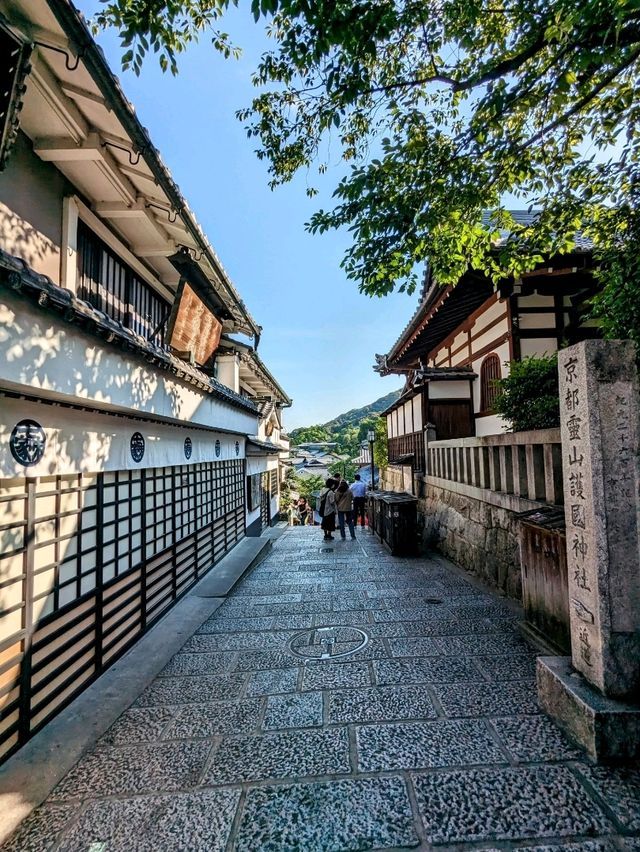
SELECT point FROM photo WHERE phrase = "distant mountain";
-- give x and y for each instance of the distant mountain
(347, 429)
(355, 415)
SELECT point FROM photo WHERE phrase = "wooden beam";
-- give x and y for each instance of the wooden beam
(165, 250)
(78, 94)
(120, 210)
(65, 150)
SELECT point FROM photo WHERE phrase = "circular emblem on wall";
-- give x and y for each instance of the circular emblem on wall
(137, 447)
(27, 442)
(237, 448)
(188, 448)
(217, 448)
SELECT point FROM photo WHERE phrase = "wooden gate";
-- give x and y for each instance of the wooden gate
(453, 418)
(88, 563)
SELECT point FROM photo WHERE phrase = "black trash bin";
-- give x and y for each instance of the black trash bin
(373, 512)
(394, 519)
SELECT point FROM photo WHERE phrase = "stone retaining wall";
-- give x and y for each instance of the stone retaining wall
(480, 537)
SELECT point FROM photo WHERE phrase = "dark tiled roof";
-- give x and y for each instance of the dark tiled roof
(527, 218)
(264, 446)
(17, 275)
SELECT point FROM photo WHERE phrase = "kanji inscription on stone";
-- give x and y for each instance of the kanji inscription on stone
(599, 413)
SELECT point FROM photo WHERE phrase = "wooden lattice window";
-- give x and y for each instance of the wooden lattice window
(110, 285)
(489, 373)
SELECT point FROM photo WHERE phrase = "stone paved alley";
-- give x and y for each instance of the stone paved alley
(427, 735)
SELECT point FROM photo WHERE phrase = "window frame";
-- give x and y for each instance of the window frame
(490, 371)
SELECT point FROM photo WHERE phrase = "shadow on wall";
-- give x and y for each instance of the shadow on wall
(19, 238)
(40, 354)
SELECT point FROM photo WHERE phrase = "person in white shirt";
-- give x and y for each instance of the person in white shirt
(358, 489)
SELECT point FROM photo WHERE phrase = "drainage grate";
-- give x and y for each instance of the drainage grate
(328, 643)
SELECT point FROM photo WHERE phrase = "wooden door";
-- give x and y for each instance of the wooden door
(453, 418)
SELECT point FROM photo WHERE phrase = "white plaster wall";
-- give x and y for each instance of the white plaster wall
(408, 417)
(535, 301)
(461, 339)
(449, 390)
(417, 412)
(82, 442)
(538, 346)
(228, 371)
(31, 194)
(39, 352)
(537, 321)
(260, 464)
(492, 334)
(497, 309)
(492, 424)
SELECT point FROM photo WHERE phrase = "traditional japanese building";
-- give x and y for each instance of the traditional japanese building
(130, 420)
(240, 367)
(462, 338)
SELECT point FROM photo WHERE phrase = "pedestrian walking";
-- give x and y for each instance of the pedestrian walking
(327, 509)
(344, 505)
(303, 511)
(358, 489)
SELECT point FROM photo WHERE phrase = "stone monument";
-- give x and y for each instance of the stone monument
(595, 695)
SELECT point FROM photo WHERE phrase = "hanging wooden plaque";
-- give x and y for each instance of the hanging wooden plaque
(192, 326)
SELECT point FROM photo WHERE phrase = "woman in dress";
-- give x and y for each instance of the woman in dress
(327, 509)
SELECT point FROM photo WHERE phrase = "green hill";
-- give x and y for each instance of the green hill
(355, 415)
(348, 430)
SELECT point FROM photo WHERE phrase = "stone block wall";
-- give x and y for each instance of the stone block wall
(480, 537)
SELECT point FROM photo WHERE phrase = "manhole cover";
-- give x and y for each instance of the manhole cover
(328, 643)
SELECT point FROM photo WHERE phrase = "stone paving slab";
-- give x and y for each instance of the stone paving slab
(328, 817)
(109, 771)
(425, 670)
(506, 804)
(428, 736)
(185, 690)
(486, 699)
(418, 746)
(383, 703)
(294, 754)
(215, 719)
(293, 711)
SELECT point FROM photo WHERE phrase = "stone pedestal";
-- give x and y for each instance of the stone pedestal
(600, 426)
(607, 728)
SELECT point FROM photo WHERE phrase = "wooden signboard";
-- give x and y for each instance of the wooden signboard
(192, 326)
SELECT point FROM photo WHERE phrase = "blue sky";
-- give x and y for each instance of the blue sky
(320, 334)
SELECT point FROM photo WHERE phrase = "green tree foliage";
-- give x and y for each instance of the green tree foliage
(286, 486)
(617, 306)
(381, 447)
(310, 435)
(345, 468)
(528, 397)
(306, 485)
(439, 110)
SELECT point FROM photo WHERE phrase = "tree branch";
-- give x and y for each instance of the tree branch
(584, 101)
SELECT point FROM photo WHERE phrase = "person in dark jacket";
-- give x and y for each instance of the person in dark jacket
(344, 505)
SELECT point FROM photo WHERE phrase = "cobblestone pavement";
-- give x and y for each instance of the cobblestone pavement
(428, 735)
